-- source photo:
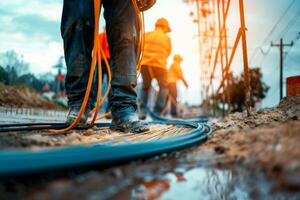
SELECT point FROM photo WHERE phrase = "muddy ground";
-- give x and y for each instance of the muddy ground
(256, 157)
(24, 97)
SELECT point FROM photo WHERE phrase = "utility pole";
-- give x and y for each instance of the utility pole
(281, 46)
(245, 57)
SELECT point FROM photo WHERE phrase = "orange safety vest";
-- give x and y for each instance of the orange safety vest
(157, 49)
(175, 73)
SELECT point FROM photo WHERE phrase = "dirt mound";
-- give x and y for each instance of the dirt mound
(24, 97)
(268, 140)
(291, 106)
(289, 109)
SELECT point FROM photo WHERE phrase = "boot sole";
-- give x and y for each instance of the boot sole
(127, 130)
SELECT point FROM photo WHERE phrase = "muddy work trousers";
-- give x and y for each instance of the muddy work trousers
(148, 74)
(173, 93)
(77, 29)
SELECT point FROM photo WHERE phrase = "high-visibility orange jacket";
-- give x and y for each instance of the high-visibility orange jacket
(175, 73)
(157, 49)
(104, 44)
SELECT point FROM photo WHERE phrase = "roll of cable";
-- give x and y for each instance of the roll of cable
(145, 4)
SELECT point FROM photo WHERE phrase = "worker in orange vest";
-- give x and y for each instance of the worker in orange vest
(157, 49)
(175, 74)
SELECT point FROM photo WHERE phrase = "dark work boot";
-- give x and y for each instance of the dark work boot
(123, 39)
(127, 121)
(73, 113)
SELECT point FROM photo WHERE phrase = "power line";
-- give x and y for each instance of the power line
(265, 53)
(272, 30)
(295, 42)
(291, 23)
(278, 22)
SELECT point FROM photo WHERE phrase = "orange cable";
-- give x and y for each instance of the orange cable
(96, 57)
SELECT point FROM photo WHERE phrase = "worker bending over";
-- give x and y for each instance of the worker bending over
(77, 28)
(157, 49)
(175, 74)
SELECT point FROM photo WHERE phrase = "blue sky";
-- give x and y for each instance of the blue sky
(32, 28)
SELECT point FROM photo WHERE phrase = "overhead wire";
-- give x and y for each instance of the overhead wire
(295, 41)
(272, 31)
(291, 23)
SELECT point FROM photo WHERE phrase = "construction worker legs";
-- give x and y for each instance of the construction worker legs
(173, 93)
(148, 73)
(77, 29)
(122, 35)
(145, 92)
(161, 76)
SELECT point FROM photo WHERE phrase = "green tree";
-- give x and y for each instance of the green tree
(31, 81)
(236, 90)
(12, 60)
(3, 76)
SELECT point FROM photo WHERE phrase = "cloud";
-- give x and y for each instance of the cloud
(32, 29)
(5, 12)
(35, 25)
(32, 18)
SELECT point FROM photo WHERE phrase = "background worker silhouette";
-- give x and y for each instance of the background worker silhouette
(157, 49)
(175, 74)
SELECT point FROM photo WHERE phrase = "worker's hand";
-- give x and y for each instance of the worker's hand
(187, 86)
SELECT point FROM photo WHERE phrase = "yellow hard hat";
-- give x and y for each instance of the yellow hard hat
(178, 57)
(163, 22)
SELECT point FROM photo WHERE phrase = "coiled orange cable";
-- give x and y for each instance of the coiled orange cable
(96, 58)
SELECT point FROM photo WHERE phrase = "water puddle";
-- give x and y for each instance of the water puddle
(208, 183)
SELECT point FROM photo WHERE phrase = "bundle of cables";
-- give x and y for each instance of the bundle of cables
(97, 55)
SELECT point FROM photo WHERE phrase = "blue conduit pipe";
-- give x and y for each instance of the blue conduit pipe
(199, 119)
(14, 163)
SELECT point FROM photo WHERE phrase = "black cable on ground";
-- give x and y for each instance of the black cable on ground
(29, 124)
(24, 162)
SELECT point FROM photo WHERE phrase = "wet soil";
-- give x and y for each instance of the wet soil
(255, 157)
(24, 97)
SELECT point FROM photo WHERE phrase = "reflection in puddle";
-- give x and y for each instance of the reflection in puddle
(204, 183)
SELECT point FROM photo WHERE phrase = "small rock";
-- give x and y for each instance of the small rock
(277, 167)
(89, 132)
(220, 149)
(117, 173)
(293, 166)
(12, 134)
(278, 147)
